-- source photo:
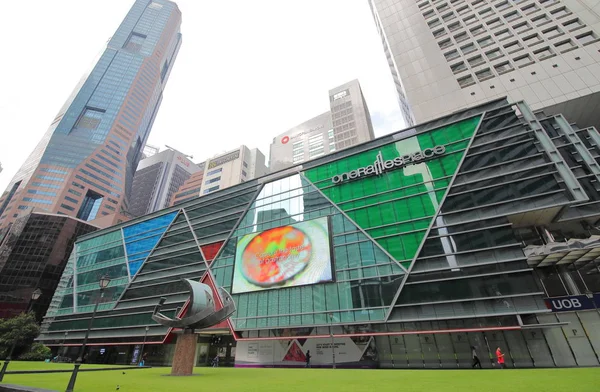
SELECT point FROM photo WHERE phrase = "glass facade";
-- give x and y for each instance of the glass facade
(33, 254)
(97, 137)
(444, 237)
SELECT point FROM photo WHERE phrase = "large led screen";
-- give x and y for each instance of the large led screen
(287, 256)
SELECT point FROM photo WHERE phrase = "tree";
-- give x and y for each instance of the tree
(37, 352)
(19, 330)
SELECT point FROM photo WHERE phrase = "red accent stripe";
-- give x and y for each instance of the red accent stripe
(351, 335)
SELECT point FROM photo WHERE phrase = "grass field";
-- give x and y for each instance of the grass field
(315, 380)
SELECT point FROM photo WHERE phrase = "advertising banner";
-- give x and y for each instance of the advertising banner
(287, 256)
(357, 352)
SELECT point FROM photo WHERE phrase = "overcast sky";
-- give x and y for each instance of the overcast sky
(246, 72)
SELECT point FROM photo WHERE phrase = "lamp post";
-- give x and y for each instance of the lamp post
(332, 342)
(37, 293)
(104, 281)
(62, 344)
(143, 344)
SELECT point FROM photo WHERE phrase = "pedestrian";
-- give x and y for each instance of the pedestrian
(143, 361)
(500, 357)
(308, 359)
(476, 361)
(216, 361)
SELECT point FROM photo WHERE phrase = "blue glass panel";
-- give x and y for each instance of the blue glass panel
(142, 237)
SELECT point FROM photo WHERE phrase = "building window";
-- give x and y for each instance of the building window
(533, 39)
(466, 81)
(454, 26)
(210, 173)
(461, 37)
(530, 8)
(565, 45)
(445, 43)
(513, 46)
(477, 30)
(211, 189)
(484, 74)
(573, 24)
(543, 53)
(559, 13)
(503, 67)
(540, 20)
(451, 55)
(469, 48)
(212, 180)
(477, 60)
(245, 164)
(523, 61)
(494, 54)
(90, 119)
(512, 16)
(587, 38)
(504, 34)
(66, 207)
(494, 23)
(244, 174)
(134, 42)
(458, 67)
(90, 206)
(485, 41)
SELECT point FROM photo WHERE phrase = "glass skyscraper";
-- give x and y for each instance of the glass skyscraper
(84, 164)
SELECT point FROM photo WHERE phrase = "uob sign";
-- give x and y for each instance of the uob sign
(570, 303)
(380, 165)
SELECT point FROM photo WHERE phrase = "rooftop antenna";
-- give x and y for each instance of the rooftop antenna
(187, 156)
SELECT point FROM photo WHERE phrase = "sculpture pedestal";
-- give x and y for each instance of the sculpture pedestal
(185, 354)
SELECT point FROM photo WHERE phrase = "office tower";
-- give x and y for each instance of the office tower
(453, 54)
(157, 178)
(191, 187)
(84, 164)
(232, 168)
(33, 254)
(347, 124)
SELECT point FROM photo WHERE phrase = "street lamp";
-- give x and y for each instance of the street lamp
(143, 344)
(332, 342)
(37, 293)
(62, 344)
(104, 281)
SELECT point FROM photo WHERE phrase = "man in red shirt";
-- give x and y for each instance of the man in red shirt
(500, 357)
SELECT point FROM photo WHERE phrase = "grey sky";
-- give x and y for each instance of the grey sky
(246, 71)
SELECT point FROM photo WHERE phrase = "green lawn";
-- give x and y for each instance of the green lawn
(326, 380)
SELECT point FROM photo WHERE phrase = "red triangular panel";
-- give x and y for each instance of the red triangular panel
(211, 250)
(295, 353)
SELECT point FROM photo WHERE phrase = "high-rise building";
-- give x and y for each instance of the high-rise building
(448, 55)
(84, 164)
(232, 168)
(156, 180)
(347, 124)
(191, 187)
(33, 254)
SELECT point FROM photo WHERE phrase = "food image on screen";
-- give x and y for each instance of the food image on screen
(292, 255)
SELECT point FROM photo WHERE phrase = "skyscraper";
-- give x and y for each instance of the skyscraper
(84, 164)
(156, 180)
(347, 124)
(448, 55)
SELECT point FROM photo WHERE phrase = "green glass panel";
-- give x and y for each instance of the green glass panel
(412, 193)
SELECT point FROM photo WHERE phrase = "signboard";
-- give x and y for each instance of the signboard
(380, 165)
(572, 303)
(287, 256)
(349, 352)
(224, 159)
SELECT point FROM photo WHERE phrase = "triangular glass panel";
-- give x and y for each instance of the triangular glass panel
(396, 207)
(142, 237)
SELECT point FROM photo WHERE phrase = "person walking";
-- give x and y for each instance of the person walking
(476, 361)
(500, 357)
(216, 361)
(308, 359)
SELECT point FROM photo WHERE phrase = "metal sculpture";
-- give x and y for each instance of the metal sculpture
(201, 311)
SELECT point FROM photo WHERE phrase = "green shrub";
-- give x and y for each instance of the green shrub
(37, 352)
